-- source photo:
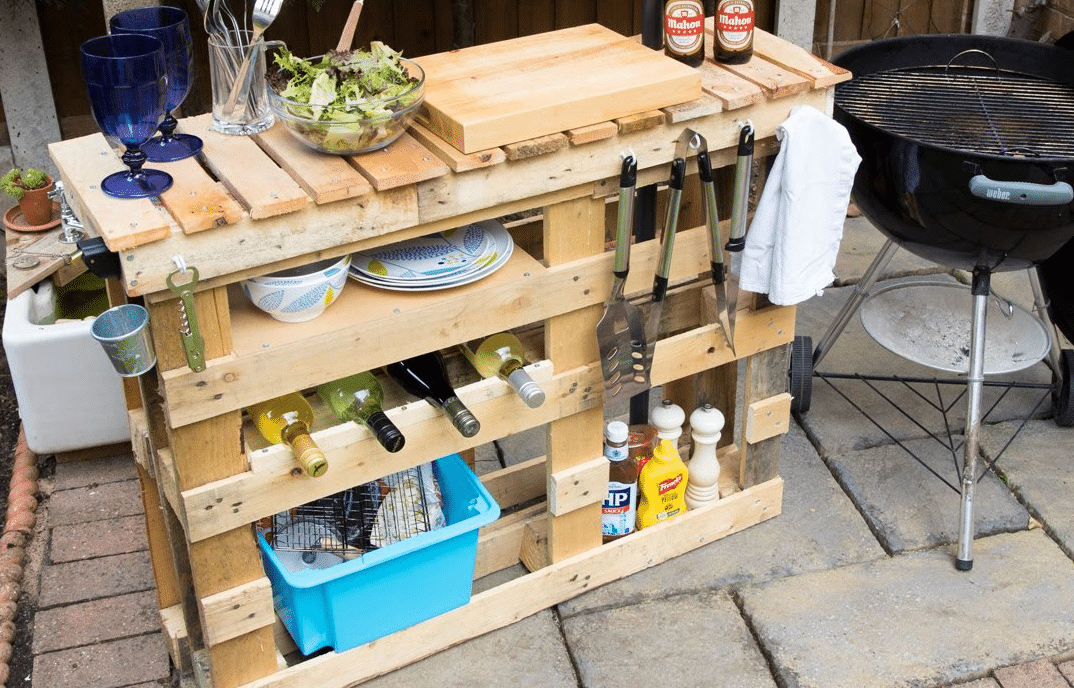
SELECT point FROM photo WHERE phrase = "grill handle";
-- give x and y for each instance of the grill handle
(1021, 193)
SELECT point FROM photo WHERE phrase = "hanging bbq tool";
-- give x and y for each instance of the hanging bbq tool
(193, 344)
(737, 241)
(671, 222)
(620, 333)
(712, 218)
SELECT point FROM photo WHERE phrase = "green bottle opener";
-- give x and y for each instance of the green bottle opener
(193, 344)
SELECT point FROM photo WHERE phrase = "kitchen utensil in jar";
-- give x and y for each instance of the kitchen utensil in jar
(737, 241)
(264, 13)
(251, 113)
(620, 332)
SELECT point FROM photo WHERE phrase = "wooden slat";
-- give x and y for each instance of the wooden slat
(793, 58)
(578, 486)
(640, 121)
(235, 612)
(775, 80)
(49, 260)
(324, 177)
(401, 163)
(456, 159)
(592, 132)
(702, 107)
(768, 417)
(196, 200)
(83, 163)
(534, 147)
(247, 171)
(731, 90)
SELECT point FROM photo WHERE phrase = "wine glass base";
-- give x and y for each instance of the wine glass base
(142, 185)
(172, 148)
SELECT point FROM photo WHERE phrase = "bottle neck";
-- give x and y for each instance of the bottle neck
(307, 453)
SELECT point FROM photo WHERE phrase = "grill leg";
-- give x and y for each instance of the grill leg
(975, 384)
(861, 290)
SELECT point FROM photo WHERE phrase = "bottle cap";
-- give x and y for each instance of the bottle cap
(529, 390)
(385, 431)
(617, 432)
(461, 417)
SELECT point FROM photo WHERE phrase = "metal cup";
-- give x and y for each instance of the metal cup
(249, 111)
(123, 332)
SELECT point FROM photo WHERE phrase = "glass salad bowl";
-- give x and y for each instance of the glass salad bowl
(354, 128)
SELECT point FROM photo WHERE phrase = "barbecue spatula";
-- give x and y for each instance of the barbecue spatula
(620, 332)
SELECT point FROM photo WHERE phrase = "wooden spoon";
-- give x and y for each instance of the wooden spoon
(347, 37)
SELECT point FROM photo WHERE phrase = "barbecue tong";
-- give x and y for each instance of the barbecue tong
(689, 140)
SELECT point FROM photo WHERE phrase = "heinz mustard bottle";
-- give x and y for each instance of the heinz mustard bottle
(287, 420)
(662, 486)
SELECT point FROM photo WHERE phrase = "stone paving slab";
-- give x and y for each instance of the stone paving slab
(1039, 674)
(141, 659)
(90, 579)
(1039, 467)
(818, 528)
(910, 508)
(913, 620)
(97, 539)
(97, 471)
(95, 503)
(530, 652)
(675, 642)
(93, 622)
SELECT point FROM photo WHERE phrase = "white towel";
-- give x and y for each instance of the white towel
(794, 238)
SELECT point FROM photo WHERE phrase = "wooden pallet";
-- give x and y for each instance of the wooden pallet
(254, 205)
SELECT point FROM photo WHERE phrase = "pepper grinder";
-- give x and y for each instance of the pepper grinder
(668, 418)
(703, 485)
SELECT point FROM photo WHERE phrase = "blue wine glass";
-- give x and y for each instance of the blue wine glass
(171, 26)
(127, 84)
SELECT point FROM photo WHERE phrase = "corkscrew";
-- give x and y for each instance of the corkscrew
(193, 344)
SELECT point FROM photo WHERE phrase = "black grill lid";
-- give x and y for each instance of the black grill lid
(967, 108)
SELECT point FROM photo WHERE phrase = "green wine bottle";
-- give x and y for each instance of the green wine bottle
(360, 398)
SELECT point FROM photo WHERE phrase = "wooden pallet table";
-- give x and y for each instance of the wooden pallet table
(251, 205)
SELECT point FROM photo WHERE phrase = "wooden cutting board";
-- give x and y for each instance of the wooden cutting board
(499, 93)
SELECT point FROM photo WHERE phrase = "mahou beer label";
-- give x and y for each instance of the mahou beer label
(684, 26)
(734, 24)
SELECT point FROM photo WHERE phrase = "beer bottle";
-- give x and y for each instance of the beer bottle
(734, 31)
(684, 31)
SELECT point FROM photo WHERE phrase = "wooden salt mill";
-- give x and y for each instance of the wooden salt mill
(703, 485)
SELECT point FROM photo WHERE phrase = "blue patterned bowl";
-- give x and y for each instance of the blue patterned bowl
(301, 293)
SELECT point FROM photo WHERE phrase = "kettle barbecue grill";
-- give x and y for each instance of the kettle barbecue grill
(967, 146)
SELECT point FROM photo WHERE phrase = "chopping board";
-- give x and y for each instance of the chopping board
(498, 93)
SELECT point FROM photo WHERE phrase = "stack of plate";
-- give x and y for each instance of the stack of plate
(437, 261)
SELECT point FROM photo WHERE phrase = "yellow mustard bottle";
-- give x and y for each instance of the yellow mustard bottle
(662, 486)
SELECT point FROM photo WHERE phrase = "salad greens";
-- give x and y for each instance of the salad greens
(345, 89)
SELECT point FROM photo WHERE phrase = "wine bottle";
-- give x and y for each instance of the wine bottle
(426, 377)
(501, 356)
(360, 398)
(287, 420)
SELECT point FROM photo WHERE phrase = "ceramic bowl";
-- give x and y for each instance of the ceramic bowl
(299, 294)
(342, 130)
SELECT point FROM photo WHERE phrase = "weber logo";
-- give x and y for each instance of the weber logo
(998, 194)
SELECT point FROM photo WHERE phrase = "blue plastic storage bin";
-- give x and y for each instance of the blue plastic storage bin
(391, 588)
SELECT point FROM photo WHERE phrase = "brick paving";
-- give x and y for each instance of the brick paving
(97, 623)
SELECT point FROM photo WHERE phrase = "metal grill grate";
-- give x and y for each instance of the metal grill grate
(969, 109)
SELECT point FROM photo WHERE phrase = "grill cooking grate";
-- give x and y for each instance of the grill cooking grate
(969, 109)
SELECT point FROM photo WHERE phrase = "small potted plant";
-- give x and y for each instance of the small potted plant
(30, 188)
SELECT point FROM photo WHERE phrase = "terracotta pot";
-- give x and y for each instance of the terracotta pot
(36, 206)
